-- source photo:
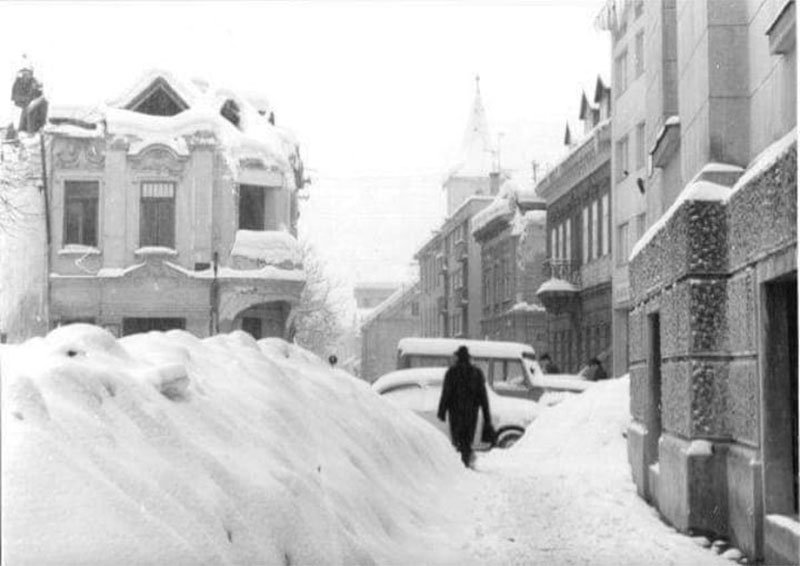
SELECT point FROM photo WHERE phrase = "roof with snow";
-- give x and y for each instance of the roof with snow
(402, 294)
(477, 155)
(163, 108)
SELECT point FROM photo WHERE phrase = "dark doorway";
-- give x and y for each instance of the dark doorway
(138, 325)
(251, 207)
(252, 326)
(780, 412)
(653, 420)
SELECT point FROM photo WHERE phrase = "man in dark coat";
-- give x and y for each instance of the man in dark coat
(463, 393)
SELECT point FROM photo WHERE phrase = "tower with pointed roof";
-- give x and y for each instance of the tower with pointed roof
(474, 171)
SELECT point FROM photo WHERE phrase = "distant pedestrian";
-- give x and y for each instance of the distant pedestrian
(463, 393)
(594, 371)
(548, 365)
(333, 360)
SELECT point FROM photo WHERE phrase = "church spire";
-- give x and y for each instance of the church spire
(477, 156)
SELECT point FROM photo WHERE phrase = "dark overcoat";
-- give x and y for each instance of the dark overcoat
(463, 393)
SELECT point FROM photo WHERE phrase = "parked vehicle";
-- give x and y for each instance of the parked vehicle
(510, 368)
(419, 390)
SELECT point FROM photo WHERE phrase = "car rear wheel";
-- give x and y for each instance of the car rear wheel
(508, 437)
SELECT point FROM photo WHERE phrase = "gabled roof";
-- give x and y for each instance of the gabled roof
(601, 91)
(585, 107)
(184, 93)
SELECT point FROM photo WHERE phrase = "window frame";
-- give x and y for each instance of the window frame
(97, 211)
(160, 200)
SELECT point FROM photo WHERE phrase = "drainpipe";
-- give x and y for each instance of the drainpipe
(47, 229)
(214, 298)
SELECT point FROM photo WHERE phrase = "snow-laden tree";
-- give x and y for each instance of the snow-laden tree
(23, 248)
(318, 321)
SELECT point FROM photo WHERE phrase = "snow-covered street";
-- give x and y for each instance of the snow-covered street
(162, 447)
(563, 495)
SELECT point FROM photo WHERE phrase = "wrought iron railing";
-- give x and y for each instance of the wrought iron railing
(566, 269)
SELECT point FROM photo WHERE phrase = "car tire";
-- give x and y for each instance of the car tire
(506, 438)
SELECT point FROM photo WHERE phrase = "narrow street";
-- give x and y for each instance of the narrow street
(564, 495)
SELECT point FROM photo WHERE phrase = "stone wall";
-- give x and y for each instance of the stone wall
(701, 274)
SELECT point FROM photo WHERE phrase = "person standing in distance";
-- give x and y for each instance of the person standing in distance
(463, 393)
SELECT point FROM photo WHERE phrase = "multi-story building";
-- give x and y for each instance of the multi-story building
(629, 157)
(713, 280)
(450, 276)
(173, 206)
(450, 269)
(577, 293)
(395, 318)
(513, 243)
(369, 294)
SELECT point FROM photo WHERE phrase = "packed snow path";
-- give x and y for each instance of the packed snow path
(563, 495)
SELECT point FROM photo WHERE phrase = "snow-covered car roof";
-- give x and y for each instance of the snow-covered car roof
(420, 376)
(477, 348)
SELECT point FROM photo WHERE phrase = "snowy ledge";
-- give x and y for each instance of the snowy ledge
(556, 285)
(266, 272)
(701, 190)
(76, 249)
(155, 251)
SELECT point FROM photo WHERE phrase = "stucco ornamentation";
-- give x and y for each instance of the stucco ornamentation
(80, 154)
(158, 160)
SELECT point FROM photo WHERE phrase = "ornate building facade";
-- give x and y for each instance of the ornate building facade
(173, 206)
(577, 293)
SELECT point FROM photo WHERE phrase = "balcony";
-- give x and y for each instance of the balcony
(560, 292)
(565, 269)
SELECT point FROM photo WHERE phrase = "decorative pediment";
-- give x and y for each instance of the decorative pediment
(158, 160)
(80, 154)
(158, 99)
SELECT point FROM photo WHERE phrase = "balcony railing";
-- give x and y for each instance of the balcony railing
(566, 269)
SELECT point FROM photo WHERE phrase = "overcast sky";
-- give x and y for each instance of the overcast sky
(378, 93)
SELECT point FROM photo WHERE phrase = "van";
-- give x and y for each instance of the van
(511, 368)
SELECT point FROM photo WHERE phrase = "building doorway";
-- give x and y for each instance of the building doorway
(252, 325)
(779, 395)
(653, 418)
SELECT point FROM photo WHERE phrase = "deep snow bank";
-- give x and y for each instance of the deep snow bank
(167, 449)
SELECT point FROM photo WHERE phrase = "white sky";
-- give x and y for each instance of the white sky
(378, 93)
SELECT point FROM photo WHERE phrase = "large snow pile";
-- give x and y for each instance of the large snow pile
(162, 448)
(564, 495)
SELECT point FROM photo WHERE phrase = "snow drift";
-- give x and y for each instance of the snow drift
(163, 448)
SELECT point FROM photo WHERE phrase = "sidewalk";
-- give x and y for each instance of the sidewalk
(564, 495)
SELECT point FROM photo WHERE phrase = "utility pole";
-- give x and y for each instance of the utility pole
(535, 166)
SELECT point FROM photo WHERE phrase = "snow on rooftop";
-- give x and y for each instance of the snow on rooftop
(267, 247)
(253, 138)
(477, 348)
(387, 304)
(522, 220)
(162, 448)
(501, 206)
